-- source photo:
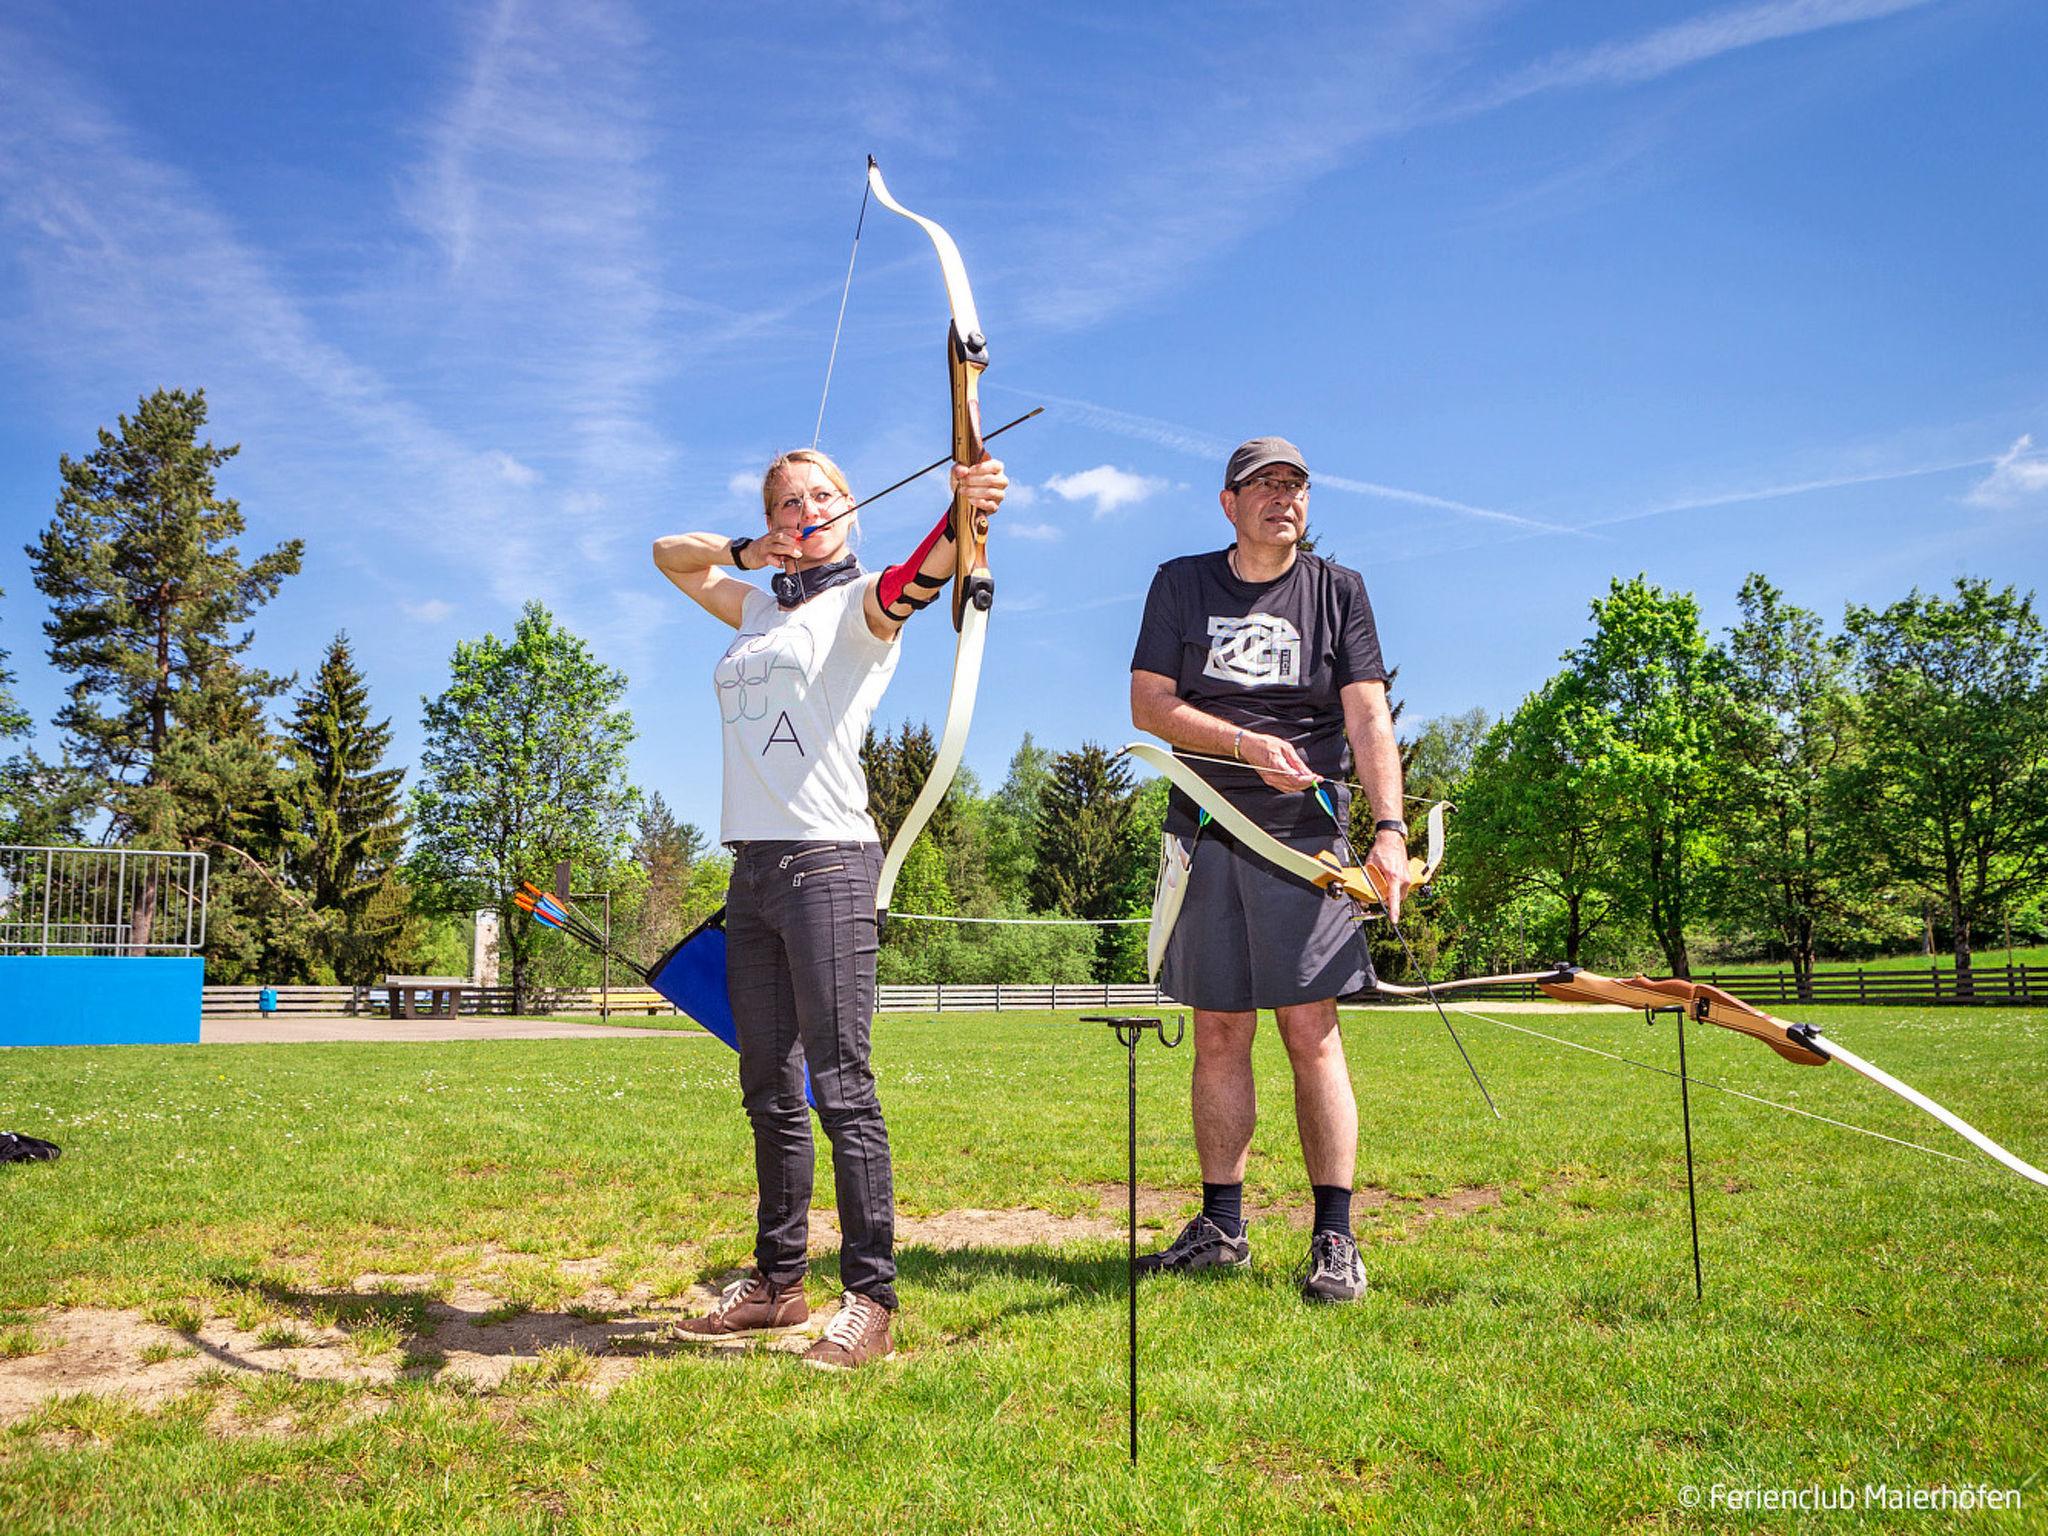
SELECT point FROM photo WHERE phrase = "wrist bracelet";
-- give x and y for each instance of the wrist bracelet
(1390, 825)
(736, 547)
(1237, 745)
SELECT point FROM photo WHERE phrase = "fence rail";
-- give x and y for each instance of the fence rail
(1990, 986)
(2004, 985)
(101, 901)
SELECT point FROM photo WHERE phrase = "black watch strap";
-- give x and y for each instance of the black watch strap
(736, 547)
(1390, 826)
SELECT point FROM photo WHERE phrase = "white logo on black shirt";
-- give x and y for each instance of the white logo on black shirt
(1257, 651)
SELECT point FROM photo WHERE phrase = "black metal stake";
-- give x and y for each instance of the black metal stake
(1692, 1199)
(1129, 1028)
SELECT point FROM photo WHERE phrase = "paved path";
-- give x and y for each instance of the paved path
(300, 1029)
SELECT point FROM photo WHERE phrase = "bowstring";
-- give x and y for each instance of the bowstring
(1238, 762)
(1736, 1093)
(1429, 991)
(824, 394)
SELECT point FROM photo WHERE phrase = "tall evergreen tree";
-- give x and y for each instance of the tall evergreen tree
(40, 803)
(896, 767)
(1087, 866)
(341, 819)
(666, 850)
(146, 589)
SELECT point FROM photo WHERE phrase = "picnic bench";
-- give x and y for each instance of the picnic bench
(444, 995)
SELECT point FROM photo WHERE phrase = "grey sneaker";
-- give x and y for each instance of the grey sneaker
(1201, 1245)
(1332, 1271)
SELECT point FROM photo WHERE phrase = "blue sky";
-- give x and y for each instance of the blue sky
(493, 294)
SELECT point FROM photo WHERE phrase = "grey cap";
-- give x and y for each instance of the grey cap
(1255, 455)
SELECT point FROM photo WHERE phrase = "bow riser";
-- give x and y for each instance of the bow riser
(966, 358)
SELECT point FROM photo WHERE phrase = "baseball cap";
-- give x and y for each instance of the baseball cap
(1255, 455)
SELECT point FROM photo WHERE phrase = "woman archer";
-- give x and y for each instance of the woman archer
(796, 690)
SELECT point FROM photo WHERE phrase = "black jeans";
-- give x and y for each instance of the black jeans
(800, 974)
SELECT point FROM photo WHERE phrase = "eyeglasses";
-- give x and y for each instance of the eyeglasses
(1276, 485)
(821, 498)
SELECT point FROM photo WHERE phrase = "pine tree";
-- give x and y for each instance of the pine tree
(343, 827)
(666, 851)
(897, 767)
(1086, 863)
(40, 803)
(146, 588)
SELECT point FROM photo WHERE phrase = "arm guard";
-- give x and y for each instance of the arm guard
(906, 588)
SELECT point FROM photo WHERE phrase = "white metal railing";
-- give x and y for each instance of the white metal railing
(101, 901)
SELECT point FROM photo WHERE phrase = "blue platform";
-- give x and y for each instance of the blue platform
(96, 1000)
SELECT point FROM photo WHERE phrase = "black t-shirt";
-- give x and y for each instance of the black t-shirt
(1271, 657)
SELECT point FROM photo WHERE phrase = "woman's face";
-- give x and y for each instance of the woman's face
(805, 497)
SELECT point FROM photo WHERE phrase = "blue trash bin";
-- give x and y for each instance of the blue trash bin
(266, 1000)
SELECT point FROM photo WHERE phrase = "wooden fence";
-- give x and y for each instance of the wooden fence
(1997, 986)
(1990, 985)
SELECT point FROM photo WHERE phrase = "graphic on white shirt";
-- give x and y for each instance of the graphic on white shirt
(760, 672)
(1260, 650)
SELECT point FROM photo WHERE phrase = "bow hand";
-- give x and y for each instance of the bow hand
(983, 485)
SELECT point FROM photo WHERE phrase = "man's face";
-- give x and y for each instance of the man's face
(1269, 506)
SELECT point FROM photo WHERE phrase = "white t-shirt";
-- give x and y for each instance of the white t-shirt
(796, 689)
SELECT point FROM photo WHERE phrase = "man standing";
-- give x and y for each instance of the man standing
(1266, 657)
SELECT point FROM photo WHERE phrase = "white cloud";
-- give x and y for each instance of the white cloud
(510, 470)
(1110, 488)
(2018, 475)
(1021, 496)
(432, 611)
(743, 484)
(1041, 533)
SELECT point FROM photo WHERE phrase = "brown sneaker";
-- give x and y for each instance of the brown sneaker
(749, 1307)
(858, 1333)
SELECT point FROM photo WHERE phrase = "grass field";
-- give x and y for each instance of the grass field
(1530, 1356)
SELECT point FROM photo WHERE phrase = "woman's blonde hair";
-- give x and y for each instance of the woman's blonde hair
(801, 456)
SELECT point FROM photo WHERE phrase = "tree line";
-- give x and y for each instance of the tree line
(1782, 791)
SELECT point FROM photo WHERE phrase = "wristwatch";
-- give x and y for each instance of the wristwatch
(1390, 826)
(737, 547)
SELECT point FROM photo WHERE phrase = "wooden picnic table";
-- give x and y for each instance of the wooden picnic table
(444, 995)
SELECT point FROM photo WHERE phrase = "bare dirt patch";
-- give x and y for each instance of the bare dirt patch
(488, 1320)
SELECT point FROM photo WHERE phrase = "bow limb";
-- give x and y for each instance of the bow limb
(1327, 873)
(966, 358)
(1799, 1043)
(973, 586)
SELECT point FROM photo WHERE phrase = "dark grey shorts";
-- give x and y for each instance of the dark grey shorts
(1251, 935)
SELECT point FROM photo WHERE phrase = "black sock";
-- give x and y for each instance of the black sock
(1333, 1208)
(1224, 1205)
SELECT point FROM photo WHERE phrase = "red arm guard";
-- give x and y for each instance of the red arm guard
(906, 584)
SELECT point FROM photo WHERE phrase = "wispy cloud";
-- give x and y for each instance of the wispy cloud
(2018, 475)
(1213, 451)
(1632, 61)
(1183, 187)
(1778, 490)
(539, 192)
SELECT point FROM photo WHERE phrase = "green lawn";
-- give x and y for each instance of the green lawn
(1530, 1356)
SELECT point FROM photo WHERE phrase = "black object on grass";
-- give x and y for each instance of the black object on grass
(1130, 1028)
(17, 1148)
